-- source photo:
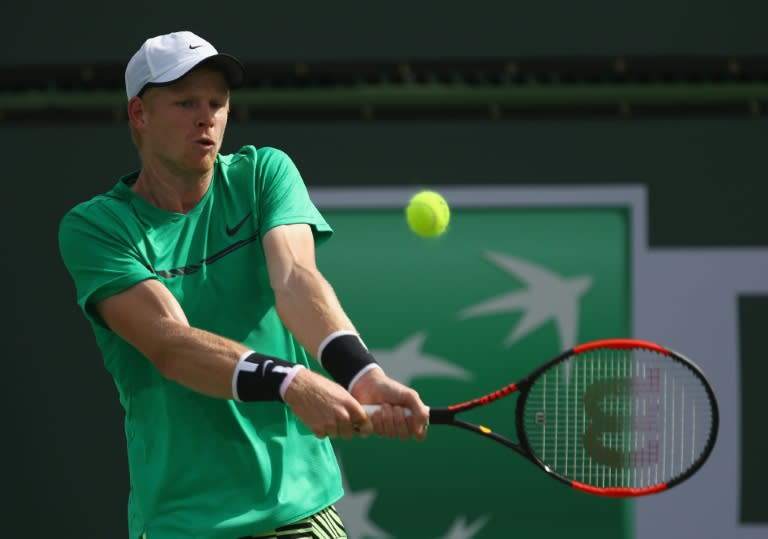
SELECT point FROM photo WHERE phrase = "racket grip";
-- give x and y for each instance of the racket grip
(371, 409)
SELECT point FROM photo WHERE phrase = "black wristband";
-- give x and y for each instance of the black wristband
(346, 358)
(262, 378)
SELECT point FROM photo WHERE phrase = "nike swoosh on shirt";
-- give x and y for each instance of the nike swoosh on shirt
(194, 268)
(231, 231)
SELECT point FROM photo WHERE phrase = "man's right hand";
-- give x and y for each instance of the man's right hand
(325, 407)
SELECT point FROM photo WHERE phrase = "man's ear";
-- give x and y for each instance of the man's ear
(137, 113)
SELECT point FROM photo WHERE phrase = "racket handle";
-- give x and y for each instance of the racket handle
(371, 409)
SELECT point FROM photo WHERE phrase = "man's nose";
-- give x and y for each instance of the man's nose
(206, 116)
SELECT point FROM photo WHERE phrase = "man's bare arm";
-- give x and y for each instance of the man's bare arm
(310, 309)
(149, 317)
(305, 301)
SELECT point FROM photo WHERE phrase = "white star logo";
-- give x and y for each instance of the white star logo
(548, 297)
(407, 361)
(354, 509)
(460, 529)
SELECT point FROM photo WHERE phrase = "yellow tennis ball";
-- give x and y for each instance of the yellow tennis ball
(428, 214)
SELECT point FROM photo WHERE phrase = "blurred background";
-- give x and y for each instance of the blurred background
(669, 97)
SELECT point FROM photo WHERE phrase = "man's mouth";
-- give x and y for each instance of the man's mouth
(206, 142)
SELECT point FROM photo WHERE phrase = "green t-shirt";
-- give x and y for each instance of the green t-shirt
(202, 467)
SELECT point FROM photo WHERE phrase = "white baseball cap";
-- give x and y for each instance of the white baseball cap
(164, 59)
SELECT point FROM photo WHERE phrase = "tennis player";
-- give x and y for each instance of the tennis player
(197, 274)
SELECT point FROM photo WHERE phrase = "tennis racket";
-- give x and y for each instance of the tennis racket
(619, 417)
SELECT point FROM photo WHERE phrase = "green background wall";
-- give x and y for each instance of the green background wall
(398, 30)
(63, 434)
(63, 448)
(400, 289)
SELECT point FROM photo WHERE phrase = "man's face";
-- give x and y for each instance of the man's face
(184, 123)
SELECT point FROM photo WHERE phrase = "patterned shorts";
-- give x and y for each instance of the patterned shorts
(325, 524)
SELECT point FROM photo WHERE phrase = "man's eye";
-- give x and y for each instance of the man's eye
(186, 103)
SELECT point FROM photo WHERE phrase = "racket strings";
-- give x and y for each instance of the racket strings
(618, 418)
